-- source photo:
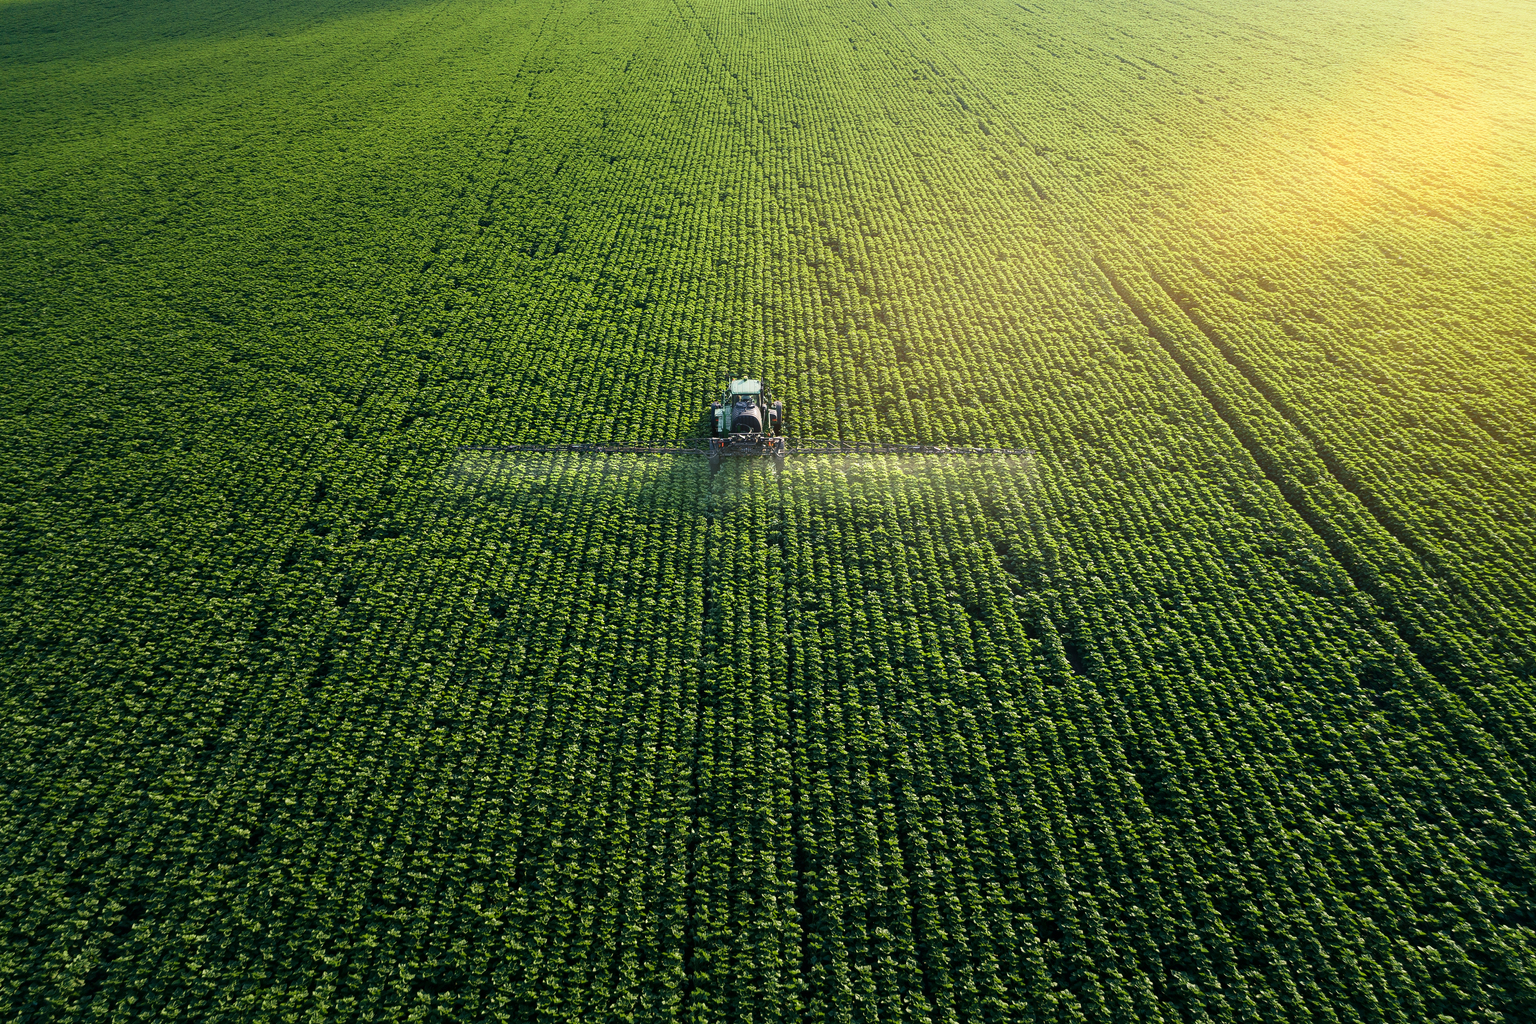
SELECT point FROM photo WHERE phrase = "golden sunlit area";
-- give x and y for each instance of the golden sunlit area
(729, 510)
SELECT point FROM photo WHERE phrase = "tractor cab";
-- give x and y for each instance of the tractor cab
(746, 419)
(746, 409)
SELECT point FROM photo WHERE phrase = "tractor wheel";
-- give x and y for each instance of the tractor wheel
(714, 419)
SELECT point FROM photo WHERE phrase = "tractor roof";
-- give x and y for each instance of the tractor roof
(746, 387)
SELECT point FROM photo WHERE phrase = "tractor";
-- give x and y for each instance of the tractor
(745, 418)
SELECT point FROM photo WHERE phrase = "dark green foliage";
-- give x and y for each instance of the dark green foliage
(1216, 709)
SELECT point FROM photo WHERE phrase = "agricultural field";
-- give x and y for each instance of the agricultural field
(1216, 706)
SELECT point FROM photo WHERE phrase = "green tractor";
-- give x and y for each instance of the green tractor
(746, 408)
(746, 417)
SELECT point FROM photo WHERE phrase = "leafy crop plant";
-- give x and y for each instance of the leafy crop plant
(1215, 706)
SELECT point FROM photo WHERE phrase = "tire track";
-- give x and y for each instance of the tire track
(1340, 473)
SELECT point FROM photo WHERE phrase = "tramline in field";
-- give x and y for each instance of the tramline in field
(748, 421)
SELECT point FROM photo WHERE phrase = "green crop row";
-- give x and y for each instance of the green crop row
(1214, 707)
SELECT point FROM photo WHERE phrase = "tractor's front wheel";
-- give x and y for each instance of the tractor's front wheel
(714, 419)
